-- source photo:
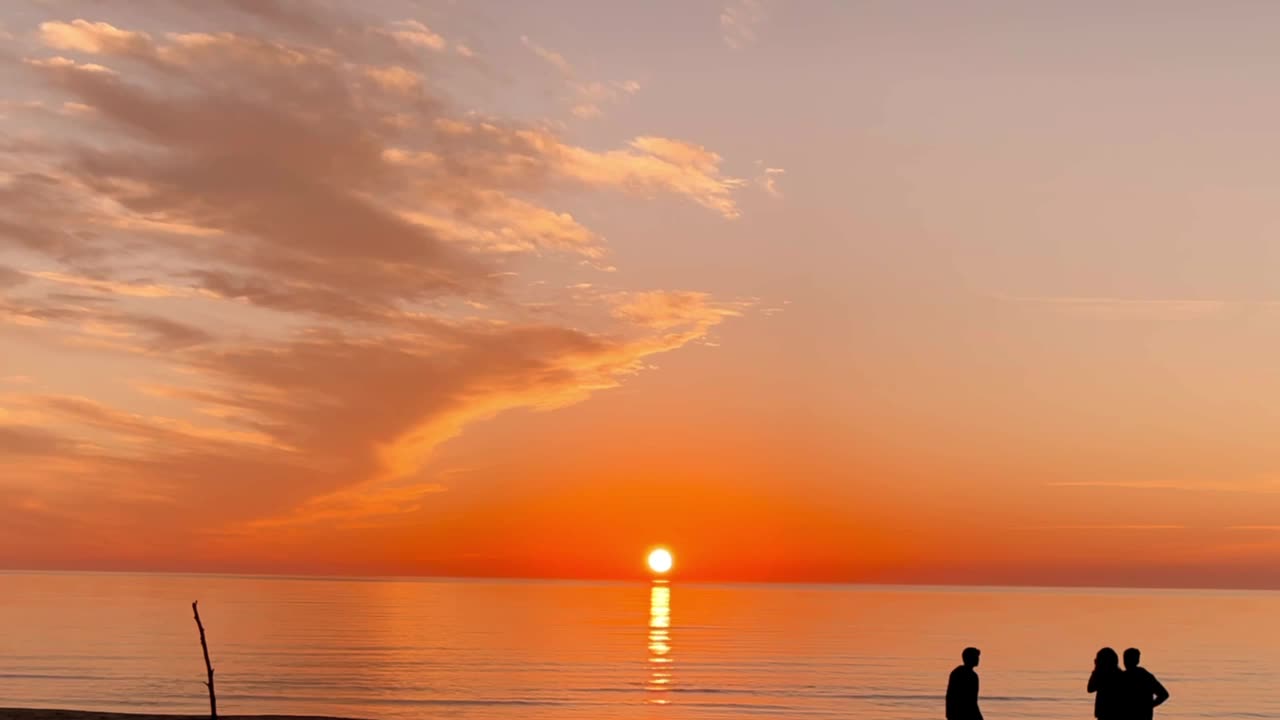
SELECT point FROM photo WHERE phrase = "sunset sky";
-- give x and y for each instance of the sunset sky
(981, 292)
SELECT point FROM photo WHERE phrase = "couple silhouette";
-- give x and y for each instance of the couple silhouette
(1129, 694)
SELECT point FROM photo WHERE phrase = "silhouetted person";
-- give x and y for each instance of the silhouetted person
(1142, 691)
(1107, 684)
(962, 688)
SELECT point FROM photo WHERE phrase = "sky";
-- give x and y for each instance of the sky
(970, 292)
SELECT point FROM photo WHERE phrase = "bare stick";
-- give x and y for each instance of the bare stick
(213, 702)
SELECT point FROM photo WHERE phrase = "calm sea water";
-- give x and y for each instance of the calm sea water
(459, 649)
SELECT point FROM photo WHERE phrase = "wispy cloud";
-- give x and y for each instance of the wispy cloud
(588, 98)
(1149, 306)
(1260, 487)
(113, 287)
(768, 180)
(663, 310)
(591, 97)
(416, 34)
(555, 59)
(1118, 528)
(93, 37)
(740, 21)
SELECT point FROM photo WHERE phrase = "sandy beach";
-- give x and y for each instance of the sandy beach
(49, 714)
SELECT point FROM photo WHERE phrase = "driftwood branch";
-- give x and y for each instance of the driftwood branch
(213, 702)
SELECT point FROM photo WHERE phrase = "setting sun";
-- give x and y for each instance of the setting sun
(660, 561)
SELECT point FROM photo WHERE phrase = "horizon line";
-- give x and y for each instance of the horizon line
(639, 580)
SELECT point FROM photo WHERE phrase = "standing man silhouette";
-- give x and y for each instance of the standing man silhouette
(962, 688)
(1143, 692)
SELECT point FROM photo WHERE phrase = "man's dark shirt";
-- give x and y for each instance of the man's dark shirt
(962, 695)
(1142, 693)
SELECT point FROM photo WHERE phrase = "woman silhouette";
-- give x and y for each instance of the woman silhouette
(1108, 703)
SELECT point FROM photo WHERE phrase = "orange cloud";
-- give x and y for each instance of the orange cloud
(135, 289)
(663, 310)
(417, 34)
(93, 37)
(296, 250)
(652, 164)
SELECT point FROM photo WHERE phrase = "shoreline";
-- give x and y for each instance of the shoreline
(9, 713)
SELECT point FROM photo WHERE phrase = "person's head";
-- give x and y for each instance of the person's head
(1107, 659)
(1132, 657)
(970, 656)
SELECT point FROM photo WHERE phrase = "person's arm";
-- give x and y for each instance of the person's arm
(1158, 690)
(1093, 681)
(977, 712)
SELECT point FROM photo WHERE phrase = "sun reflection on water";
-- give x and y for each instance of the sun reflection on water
(659, 642)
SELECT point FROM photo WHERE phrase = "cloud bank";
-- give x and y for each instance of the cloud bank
(290, 266)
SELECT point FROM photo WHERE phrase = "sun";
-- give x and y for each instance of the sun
(660, 561)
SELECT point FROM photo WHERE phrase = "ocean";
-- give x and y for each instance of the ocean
(410, 648)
